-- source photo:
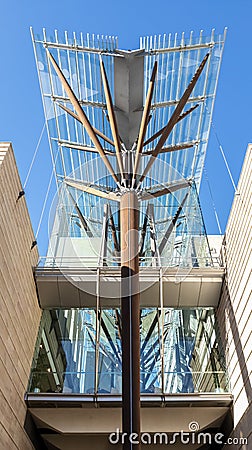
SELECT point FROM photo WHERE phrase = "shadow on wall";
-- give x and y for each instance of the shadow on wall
(243, 428)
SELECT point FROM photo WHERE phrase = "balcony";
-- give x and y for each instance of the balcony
(85, 420)
(79, 421)
(74, 283)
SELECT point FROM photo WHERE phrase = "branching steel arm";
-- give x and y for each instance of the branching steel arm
(113, 229)
(84, 148)
(109, 338)
(92, 190)
(112, 119)
(182, 116)
(75, 116)
(150, 331)
(143, 233)
(174, 118)
(186, 113)
(172, 225)
(104, 237)
(173, 148)
(119, 324)
(81, 217)
(144, 123)
(82, 116)
(150, 193)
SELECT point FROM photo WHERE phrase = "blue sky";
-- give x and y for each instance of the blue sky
(21, 113)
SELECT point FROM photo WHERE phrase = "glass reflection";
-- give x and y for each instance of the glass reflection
(78, 351)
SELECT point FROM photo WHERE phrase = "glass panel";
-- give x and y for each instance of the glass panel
(110, 353)
(178, 58)
(150, 360)
(65, 354)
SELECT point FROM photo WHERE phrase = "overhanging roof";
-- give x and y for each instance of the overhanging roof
(77, 287)
(86, 421)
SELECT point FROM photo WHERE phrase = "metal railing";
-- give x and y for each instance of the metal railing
(113, 261)
(110, 382)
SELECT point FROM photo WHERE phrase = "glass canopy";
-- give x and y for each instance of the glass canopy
(177, 59)
(75, 157)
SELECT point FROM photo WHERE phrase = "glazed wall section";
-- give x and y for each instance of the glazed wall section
(19, 310)
(236, 304)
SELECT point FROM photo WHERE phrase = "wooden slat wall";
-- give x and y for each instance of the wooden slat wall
(19, 310)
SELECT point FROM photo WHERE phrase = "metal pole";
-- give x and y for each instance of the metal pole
(130, 303)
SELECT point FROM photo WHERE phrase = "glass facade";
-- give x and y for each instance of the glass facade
(183, 244)
(78, 352)
(75, 158)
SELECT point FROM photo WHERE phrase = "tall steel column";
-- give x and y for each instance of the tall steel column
(130, 303)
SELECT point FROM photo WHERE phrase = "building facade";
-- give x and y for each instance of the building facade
(234, 310)
(136, 121)
(20, 313)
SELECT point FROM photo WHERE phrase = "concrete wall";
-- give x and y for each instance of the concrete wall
(19, 311)
(235, 307)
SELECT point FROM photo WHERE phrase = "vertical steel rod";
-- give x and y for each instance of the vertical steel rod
(130, 302)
